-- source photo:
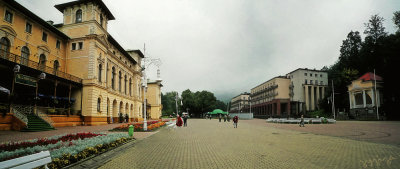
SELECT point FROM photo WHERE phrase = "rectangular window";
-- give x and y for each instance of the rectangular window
(73, 46)
(44, 37)
(9, 16)
(310, 74)
(28, 27)
(80, 44)
(320, 75)
(311, 82)
(322, 83)
(305, 74)
(305, 81)
(58, 44)
(316, 82)
(316, 75)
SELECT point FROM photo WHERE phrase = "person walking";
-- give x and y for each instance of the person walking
(228, 118)
(302, 121)
(178, 121)
(185, 117)
(235, 121)
(219, 117)
(224, 118)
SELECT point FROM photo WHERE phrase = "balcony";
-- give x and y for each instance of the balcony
(35, 65)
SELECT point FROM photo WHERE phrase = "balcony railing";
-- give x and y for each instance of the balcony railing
(35, 65)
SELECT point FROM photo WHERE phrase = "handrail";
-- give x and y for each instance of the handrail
(45, 118)
(35, 65)
(21, 116)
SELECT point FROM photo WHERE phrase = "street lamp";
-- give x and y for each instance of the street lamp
(41, 77)
(157, 62)
(16, 70)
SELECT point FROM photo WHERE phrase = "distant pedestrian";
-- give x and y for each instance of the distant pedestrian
(178, 121)
(185, 117)
(228, 118)
(219, 117)
(235, 121)
(302, 121)
(224, 118)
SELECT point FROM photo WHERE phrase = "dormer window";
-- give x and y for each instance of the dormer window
(78, 16)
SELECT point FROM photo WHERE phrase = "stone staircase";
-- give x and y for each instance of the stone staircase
(36, 123)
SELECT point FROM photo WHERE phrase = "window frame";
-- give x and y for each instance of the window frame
(78, 18)
(58, 44)
(11, 18)
(26, 27)
(45, 36)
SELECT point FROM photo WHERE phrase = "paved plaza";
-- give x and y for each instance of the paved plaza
(254, 144)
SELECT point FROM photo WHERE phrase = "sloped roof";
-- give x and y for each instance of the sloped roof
(370, 76)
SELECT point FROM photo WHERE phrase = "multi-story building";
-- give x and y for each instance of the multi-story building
(153, 96)
(271, 98)
(240, 103)
(90, 78)
(307, 88)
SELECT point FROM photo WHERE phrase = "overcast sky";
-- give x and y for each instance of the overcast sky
(230, 46)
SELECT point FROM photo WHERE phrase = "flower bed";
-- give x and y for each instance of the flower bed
(138, 126)
(66, 149)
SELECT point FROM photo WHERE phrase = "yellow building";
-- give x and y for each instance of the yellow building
(153, 96)
(365, 97)
(271, 98)
(90, 78)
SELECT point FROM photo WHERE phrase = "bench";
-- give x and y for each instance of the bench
(29, 161)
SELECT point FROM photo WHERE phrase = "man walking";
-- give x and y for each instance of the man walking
(302, 121)
(235, 121)
(185, 117)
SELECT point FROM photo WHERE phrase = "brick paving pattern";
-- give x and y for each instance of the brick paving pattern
(254, 144)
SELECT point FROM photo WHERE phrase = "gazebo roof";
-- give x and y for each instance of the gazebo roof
(370, 76)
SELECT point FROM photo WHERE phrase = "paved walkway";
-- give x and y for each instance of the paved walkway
(210, 144)
(386, 132)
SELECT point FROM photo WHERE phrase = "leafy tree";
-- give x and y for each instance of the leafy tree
(375, 29)
(396, 20)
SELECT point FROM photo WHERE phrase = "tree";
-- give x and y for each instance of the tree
(350, 49)
(375, 29)
(396, 20)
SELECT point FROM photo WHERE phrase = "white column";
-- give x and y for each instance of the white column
(364, 99)
(373, 97)
(317, 95)
(306, 97)
(312, 99)
(350, 102)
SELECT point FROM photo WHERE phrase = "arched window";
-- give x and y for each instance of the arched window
(78, 17)
(126, 80)
(130, 87)
(98, 104)
(113, 78)
(120, 81)
(4, 47)
(25, 55)
(42, 62)
(101, 20)
(100, 68)
(56, 66)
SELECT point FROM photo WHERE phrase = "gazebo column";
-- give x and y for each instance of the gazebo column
(364, 99)
(373, 98)
(350, 102)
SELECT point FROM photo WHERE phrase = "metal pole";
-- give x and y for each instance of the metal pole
(376, 98)
(333, 101)
(144, 90)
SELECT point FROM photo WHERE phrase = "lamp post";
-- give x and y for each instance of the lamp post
(41, 77)
(16, 70)
(148, 61)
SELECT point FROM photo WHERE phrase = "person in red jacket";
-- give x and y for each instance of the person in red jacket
(235, 121)
(179, 121)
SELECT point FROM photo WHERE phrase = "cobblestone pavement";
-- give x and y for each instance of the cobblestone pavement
(210, 144)
(386, 132)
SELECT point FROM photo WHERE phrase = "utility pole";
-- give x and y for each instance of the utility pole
(376, 98)
(176, 104)
(333, 101)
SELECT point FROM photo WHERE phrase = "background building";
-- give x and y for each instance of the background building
(307, 88)
(271, 98)
(153, 96)
(240, 103)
